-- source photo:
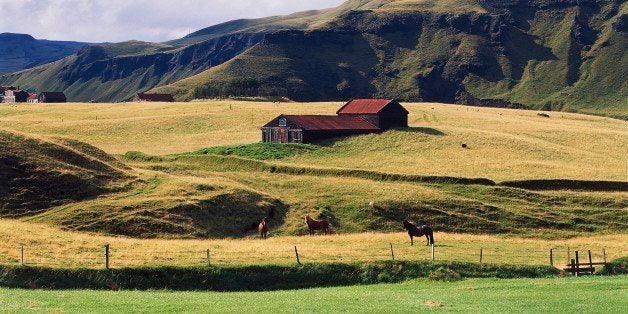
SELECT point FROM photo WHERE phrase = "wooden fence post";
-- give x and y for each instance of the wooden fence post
(604, 253)
(552, 257)
(22, 255)
(568, 255)
(573, 266)
(209, 261)
(590, 263)
(106, 256)
(480, 255)
(577, 264)
(432, 251)
(392, 253)
(297, 254)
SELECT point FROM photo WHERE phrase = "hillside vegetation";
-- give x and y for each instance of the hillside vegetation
(551, 56)
(556, 55)
(421, 173)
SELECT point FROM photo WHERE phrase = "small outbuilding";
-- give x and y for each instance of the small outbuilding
(145, 97)
(358, 116)
(51, 97)
(32, 99)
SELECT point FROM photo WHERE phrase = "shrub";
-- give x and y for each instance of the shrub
(444, 274)
(616, 267)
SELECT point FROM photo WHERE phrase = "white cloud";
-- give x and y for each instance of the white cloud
(148, 20)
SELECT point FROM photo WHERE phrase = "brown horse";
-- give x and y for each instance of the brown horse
(263, 228)
(414, 231)
(314, 225)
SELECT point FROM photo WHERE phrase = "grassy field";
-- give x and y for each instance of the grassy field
(504, 144)
(45, 245)
(587, 294)
(201, 184)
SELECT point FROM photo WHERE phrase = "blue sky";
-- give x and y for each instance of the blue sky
(148, 20)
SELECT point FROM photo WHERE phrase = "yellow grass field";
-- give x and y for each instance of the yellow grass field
(44, 245)
(504, 144)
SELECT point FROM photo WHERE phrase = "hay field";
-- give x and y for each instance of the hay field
(503, 144)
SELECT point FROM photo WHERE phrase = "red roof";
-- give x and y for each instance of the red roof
(364, 106)
(324, 123)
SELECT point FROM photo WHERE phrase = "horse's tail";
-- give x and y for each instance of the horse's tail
(431, 235)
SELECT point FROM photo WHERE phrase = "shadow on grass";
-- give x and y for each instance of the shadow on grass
(428, 131)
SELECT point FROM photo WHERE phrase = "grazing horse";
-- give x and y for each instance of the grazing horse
(414, 231)
(263, 228)
(314, 225)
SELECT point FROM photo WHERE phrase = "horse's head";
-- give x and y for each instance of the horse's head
(407, 225)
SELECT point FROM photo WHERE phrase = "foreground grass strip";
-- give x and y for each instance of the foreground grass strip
(252, 278)
(539, 295)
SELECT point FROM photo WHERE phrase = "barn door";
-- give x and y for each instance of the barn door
(282, 135)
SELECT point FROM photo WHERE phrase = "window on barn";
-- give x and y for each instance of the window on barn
(283, 122)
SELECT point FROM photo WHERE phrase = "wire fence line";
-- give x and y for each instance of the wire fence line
(110, 257)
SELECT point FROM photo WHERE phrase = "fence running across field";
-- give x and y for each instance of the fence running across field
(108, 256)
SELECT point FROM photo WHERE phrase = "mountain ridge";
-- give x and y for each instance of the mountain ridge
(22, 51)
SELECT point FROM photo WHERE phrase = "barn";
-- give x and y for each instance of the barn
(145, 97)
(359, 116)
(51, 97)
(384, 113)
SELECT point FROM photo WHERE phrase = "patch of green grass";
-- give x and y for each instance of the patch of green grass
(594, 294)
(261, 151)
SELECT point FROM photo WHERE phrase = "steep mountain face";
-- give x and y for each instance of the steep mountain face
(560, 55)
(19, 51)
(116, 72)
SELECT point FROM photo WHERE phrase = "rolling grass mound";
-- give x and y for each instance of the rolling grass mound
(168, 207)
(36, 174)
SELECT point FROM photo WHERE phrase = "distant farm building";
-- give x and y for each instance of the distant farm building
(15, 95)
(358, 116)
(32, 99)
(144, 97)
(51, 97)
(3, 90)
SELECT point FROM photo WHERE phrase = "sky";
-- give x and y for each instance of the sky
(147, 20)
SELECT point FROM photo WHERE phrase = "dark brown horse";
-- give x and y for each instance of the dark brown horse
(314, 225)
(263, 228)
(414, 231)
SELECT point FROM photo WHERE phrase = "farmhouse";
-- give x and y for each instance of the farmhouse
(143, 97)
(51, 97)
(32, 99)
(358, 116)
(15, 95)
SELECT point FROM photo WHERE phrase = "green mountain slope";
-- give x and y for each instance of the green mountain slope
(19, 51)
(551, 55)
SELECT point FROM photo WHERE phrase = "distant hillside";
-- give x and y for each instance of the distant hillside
(19, 51)
(555, 55)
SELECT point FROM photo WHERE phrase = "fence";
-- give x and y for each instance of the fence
(109, 256)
